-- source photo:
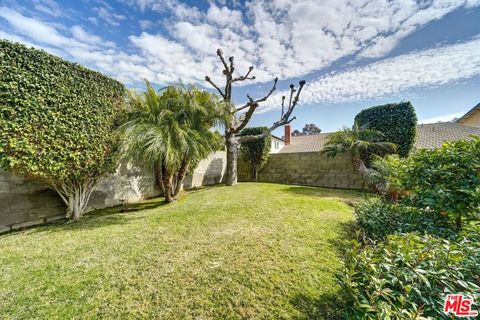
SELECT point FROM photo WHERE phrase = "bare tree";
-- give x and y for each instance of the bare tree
(239, 120)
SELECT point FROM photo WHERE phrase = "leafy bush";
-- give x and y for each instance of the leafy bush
(397, 121)
(408, 276)
(58, 122)
(446, 179)
(377, 219)
(256, 152)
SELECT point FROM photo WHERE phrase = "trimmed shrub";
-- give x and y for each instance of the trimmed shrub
(376, 219)
(397, 122)
(446, 179)
(408, 276)
(58, 122)
(256, 152)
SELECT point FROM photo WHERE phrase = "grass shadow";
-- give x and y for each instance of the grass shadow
(346, 194)
(203, 188)
(328, 306)
(102, 217)
(345, 234)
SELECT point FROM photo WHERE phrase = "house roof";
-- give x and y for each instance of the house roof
(429, 136)
(278, 138)
(469, 113)
(433, 135)
(311, 143)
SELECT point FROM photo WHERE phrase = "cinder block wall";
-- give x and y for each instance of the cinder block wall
(306, 168)
(24, 202)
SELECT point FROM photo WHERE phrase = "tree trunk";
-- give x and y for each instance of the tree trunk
(76, 197)
(255, 173)
(182, 172)
(158, 180)
(232, 155)
(167, 178)
(359, 166)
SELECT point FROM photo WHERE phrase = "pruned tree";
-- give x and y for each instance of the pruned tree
(240, 116)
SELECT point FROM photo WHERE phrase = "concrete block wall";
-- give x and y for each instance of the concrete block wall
(24, 202)
(306, 168)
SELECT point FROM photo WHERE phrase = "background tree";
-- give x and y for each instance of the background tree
(170, 132)
(236, 122)
(58, 122)
(308, 130)
(256, 152)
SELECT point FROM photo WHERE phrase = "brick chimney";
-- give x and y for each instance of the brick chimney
(288, 134)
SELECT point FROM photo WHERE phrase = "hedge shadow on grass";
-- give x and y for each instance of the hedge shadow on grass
(327, 306)
(325, 192)
(101, 218)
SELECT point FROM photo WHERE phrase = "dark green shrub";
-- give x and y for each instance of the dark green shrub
(58, 122)
(376, 219)
(256, 152)
(397, 122)
(408, 276)
(446, 179)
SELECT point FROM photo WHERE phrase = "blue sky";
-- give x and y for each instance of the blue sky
(353, 54)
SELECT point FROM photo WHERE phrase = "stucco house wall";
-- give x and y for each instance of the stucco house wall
(277, 144)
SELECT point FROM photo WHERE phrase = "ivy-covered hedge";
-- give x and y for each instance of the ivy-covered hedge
(58, 119)
(397, 121)
(256, 152)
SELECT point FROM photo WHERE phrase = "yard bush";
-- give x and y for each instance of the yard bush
(256, 152)
(397, 122)
(446, 179)
(408, 276)
(377, 218)
(58, 122)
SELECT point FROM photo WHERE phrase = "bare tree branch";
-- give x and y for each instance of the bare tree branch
(252, 101)
(245, 77)
(284, 119)
(207, 78)
(232, 68)
(220, 55)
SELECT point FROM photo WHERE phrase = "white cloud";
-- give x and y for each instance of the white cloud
(281, 38)
(429, 68)
(276, 38)
(81, 35)
(146, 24)
(49, 7)
(106, 14)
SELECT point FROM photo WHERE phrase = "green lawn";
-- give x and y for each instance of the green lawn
(253, 251)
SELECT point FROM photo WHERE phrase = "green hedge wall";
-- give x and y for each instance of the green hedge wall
(57, 119)
(256, 152)
(397, 121)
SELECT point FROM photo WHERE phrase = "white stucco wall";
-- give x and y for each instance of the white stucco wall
(277, 145)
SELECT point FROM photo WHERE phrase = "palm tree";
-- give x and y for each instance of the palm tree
(170, 131)
(357, 143)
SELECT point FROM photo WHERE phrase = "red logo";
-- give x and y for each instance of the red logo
(459, 305)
